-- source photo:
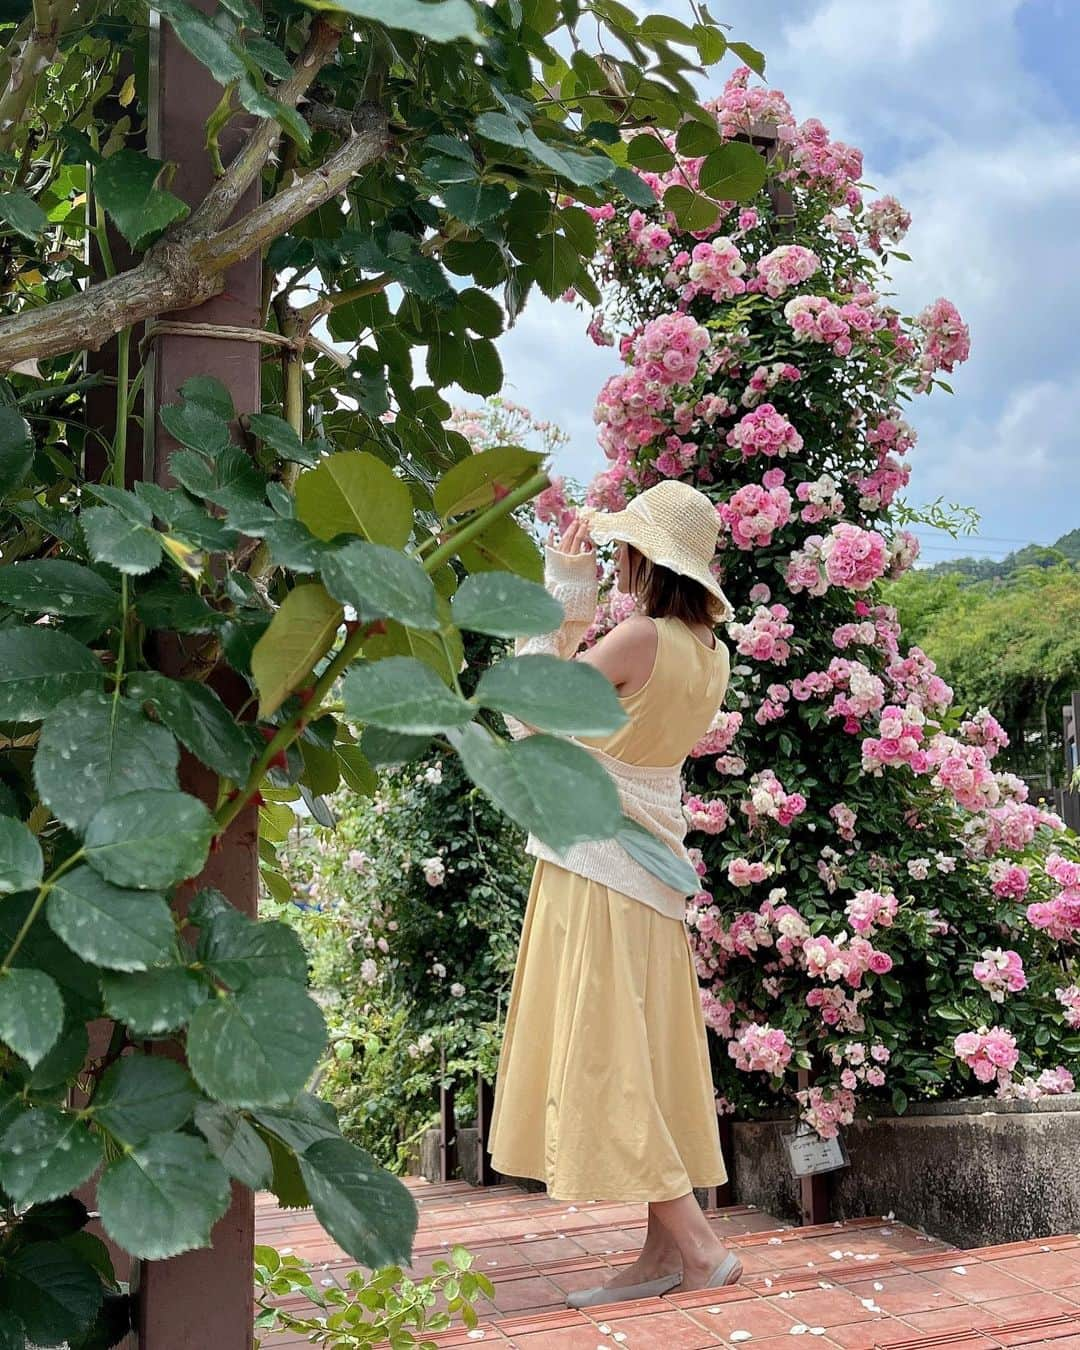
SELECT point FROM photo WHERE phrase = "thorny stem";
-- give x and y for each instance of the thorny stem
(35, 909)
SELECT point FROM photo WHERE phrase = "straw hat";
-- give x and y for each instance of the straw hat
(673, 525)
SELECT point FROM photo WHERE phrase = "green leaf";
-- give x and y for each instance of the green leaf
(355, 493)
(111, 538)
(633, 188)
(200, 423)
(149, 839)
(153, 1002)
(388, 747)
(899, 1100)
(479, 312)
(126, 186)
(38, 668)
(198, 719)
(655, 856)
(108, 925)
(557, 264)
(442, 21)
(736, 172)
(556, 790)
(367, 1211)
(402, 694)
(53, 1292)
(496, 126)
(356, 771)
(21, 863)
(381, 583)
(143, 1095)
(204, 41)
(23, 214)
(209, 393)
(238, 951)
(503, 605)
(31, 1013)
(478, 480)
(55, 586)
(301, 632)
(236, 1144)
(552, 695)
(692, 211)
(749, 56)
(582, 170)
(475, 202)
(280, 436)
(257, 1047)
(504, 546)
(45, 1154)
(16, 449)
(302, 1123)
(163, 1197)
(480, 370)
(93, 747)
(649, 152)
(696, 139)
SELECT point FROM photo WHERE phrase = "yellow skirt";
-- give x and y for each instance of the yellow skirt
(604, 1089)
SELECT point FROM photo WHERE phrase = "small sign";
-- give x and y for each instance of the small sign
(810, 1155)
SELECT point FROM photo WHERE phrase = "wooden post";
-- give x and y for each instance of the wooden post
(202, 1298)
(448, 1144)
(485, 1105)
(814, 1198)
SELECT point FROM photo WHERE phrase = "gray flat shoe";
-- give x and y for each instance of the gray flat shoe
(592, 1298)
(729, 1271)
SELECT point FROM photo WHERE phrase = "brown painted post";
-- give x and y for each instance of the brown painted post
(485, 1105)
(448, 1143)
(202, 1299)
(724, 1195)
(814, 1198)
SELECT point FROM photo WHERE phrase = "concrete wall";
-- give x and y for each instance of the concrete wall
(972, 1172)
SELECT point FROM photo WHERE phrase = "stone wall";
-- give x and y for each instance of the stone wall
(972, 1172)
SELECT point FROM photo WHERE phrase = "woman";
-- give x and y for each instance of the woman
(604, 1088)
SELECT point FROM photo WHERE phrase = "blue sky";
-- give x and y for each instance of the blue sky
(969, 111)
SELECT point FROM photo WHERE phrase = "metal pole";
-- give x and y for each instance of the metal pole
(202, 1299)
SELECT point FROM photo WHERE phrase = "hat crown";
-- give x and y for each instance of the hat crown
(684, 512)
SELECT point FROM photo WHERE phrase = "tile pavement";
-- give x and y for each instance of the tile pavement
(866, 1284)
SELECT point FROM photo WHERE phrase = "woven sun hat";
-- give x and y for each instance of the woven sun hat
(674, 526)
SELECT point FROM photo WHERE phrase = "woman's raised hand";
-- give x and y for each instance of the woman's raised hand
(575, 539)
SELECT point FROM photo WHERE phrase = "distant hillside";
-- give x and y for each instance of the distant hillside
(1034, 555)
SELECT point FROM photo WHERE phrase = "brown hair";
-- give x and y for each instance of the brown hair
(666, 594)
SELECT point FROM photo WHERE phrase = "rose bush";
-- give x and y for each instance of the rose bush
(877, 903)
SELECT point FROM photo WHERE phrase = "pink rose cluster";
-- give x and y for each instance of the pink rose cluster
(1000, 973)
(946, 340)
(769, 800)
(867, 910)
(845, 818)
(844, 960)
(551, 505)
(854, 558)
(964, 771)
(859, 1065)
(984, 729)
(885, 221)
(766, 378)
(787, 266)
(822, 499)
(711, 817)
(804, 571)
(650, 243)
(1069, 998)
(989, 1054)
(1008, 881)
(877, 489)
(826, 165)
(766, 636)
(903, 551)
(740, 106)
(755, 512)
(721, 733)
(899, 739)
(1060, 917)
(1050, 1083)
(764, 431)
(743, 872)
(711, 268)
(774, 705)
(627, 413)
(825, 1109)
(669, 349)
(814, 318)
(760, 1049)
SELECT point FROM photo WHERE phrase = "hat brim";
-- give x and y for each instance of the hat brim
(627, 527)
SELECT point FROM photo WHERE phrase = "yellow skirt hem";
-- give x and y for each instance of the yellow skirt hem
(619, 1196)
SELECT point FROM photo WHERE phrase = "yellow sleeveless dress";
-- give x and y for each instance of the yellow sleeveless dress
(604, 1090)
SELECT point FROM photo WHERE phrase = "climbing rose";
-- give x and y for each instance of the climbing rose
(1000, 973)
(764, 431)
(988, 1054)
(760, 1049)
(854, 558)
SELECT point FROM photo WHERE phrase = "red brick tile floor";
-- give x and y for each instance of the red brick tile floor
(865, 1284)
